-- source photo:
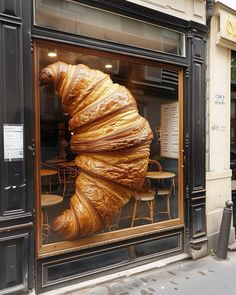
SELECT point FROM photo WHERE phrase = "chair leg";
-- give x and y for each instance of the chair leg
(151, 211)
(64, 184)
(46, 229)
(50, 184)
(150, 205)
(168, 205)
(127, 210)
(134, 212)
(115, 222)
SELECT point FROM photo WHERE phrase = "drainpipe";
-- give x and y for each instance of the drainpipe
(209, 12)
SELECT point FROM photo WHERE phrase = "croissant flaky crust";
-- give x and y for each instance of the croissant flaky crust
(112, 141)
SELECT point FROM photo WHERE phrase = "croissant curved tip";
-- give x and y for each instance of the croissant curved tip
(45, 77)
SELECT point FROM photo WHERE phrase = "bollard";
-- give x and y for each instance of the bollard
(223, 239)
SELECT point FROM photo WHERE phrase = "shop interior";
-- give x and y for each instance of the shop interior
(156, 90)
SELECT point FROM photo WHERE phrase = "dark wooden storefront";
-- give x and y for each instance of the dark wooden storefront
(19, 268)
(17, 193)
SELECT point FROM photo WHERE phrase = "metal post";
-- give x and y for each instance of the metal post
(223, 240)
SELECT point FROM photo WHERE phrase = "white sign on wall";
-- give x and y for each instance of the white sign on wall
(170, 130)
(13, 142)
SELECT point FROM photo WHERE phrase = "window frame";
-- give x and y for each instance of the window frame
(119, 235)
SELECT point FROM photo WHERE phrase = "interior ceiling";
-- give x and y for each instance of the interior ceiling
(122, 71)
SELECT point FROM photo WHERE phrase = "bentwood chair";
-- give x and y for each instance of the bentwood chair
(114, 223)
(47, 173)
(68, 173)
(144, 196)
(161, 190)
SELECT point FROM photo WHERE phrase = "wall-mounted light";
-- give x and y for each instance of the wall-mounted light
(52, 54)
(108, 66)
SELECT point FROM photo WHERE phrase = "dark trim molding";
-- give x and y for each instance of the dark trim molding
(194, 133)
(17, 202)
(55, 36)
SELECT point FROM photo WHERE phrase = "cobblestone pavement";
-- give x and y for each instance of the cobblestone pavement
(207, 275)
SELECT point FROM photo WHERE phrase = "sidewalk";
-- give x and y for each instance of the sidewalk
(207, 275)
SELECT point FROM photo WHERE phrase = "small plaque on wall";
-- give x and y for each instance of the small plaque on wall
(170, 130)
(13, 142)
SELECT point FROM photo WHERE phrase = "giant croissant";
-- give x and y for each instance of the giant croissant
(112, 141)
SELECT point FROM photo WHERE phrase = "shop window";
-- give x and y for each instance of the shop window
(157, 91)
(85, 20)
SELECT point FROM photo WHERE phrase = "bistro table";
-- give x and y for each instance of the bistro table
(48, 200)
(48, 172)
(55, 160)
(67, 164)
(162, 175)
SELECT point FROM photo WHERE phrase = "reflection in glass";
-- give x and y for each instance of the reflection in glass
(85, 20)
(156, 92)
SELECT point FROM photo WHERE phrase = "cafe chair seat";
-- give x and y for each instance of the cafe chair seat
(114, 223)
(161, 190)
(145, 196)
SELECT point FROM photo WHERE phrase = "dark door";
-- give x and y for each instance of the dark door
(16, 148)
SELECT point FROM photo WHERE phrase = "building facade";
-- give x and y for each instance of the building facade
(220, 117)
(156, 49)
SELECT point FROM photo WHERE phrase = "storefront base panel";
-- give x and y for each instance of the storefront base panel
(84, 265)
(80, 287)
(14, 264)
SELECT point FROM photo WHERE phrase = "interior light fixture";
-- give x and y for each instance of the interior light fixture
(108, 66)
(52, 54)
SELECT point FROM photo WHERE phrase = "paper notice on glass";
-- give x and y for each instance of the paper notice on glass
(13, 142)
(170, 130)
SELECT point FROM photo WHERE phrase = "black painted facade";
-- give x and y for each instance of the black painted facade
(20, 271)
(17, 194)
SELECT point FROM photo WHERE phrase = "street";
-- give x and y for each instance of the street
(207, 275)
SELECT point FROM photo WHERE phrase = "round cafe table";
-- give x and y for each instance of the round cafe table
(56, 161)
(67, 164)
(162, 175)
(48, 172)
(48, 200)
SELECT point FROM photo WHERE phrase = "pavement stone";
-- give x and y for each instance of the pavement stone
(205, 276)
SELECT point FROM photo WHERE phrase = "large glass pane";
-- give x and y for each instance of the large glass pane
(155, 89)
(84, 20)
